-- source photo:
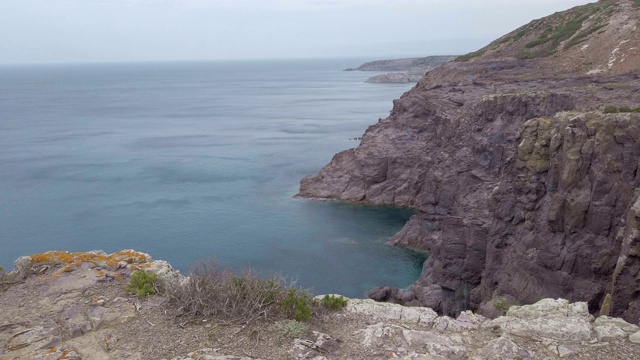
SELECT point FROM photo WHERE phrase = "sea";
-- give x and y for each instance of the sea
(193, 162)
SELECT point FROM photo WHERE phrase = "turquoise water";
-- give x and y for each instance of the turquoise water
(191, 161)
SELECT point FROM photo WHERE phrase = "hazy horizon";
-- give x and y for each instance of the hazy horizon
(104, 31)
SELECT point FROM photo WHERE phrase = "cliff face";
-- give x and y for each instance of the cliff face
(524, 188)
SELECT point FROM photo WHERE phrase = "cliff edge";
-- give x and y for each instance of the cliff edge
(62, 305)
(521, 160)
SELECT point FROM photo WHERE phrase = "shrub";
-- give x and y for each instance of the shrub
(238, 298)
(291, 329)
(142, 283)
(610, 109)
(520, 34)
(536, 42)
(297, 305)
(501, 305)
(333, 302)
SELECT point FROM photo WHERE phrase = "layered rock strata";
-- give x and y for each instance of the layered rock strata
(524, 188)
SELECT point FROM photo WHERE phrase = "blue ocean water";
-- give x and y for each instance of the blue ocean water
(191, 161)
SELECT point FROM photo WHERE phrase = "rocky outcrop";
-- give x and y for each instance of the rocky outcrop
(524, 188)
(404, 70)
(74, 306)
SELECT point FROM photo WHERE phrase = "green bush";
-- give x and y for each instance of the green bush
(610, 109)
(297, 305)
(520, 34)
(142, 283)
(333, 302)
(501, 305)
(536, 42)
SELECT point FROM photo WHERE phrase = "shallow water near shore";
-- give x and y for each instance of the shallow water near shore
(191, 161)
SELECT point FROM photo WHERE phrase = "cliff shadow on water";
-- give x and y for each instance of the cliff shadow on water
(357, 250)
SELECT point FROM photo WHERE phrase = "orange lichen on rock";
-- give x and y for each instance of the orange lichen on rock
(69, 354)
(143, 266)
(99, 272)
(112, 261)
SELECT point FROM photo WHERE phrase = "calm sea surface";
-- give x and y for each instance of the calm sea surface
(189, 161)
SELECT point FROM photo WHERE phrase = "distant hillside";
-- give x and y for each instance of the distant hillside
(404, 70)
(403, 64)
(595, 38)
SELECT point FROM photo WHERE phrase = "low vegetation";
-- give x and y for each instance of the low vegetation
(610, 109)
(526, 55)
(502, 306)
(291, 329)
(574, 27)
(243, 298)
(334, 302)
(469, 56)
(142, 284)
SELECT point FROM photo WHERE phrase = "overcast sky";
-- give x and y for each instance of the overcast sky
(46, 31)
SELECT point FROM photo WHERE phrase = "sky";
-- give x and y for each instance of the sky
(72, 31)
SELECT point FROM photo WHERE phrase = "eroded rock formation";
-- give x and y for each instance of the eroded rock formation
(524, 188)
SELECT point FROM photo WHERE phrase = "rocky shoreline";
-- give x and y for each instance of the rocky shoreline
(525, 186)
(74, 306)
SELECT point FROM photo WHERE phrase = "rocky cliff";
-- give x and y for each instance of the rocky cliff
(525, 187)
(62, 305)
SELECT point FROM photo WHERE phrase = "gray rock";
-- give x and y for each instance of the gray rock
(608, 328)
(323, 347)
(505, 347)
(36, 336)
(416, 315)
(548, 319)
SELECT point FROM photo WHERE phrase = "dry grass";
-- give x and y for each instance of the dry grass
(238, 298)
